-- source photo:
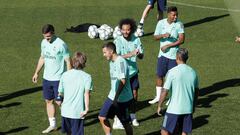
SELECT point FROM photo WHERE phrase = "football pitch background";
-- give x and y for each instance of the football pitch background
(210, 35)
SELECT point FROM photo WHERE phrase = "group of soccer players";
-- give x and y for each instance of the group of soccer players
(71, 89)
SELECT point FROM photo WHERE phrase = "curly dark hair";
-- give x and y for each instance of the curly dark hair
(128, 21)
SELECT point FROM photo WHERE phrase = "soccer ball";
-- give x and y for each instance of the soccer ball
(116, 32)
(105, 32)
(139, 32)
(92, 31)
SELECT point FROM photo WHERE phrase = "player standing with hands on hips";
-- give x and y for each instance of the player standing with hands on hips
(54, 57)
(170, 32)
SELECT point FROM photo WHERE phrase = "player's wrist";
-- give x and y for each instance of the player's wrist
(59, 98)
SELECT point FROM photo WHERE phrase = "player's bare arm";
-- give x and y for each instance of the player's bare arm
(69, 63)
(131, 54)
(86, 98)
(177, 43)
(120, 88)
(161, 100)
(158, 37)
(38, 69)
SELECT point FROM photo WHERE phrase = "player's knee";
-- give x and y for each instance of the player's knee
(135, 94)
(101, 118)
(49, 101)
(164, 132)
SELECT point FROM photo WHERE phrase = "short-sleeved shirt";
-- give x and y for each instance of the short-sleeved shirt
(73, 84)
(124, 46)
(54, 54)
(182, 81)
(174, 29)
(118, 71)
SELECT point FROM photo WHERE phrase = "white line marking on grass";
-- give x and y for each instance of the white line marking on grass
(205, 7)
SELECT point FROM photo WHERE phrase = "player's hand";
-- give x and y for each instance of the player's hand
(59, 103)
(164, 48)
(167, 35)
(35, 78)
(84, 113)
(135, 52)
(237, 39)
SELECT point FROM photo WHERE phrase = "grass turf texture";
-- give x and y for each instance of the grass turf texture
(210, 38)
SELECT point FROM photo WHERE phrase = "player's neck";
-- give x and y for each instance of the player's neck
(114, 57)
(169, 21)
(180, 62)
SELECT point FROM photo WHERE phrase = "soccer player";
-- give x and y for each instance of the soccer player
(182, 83)
(54, 57)
(130, 47)
(161, 4)
(170, 32)
(237, 39)
(74, 87)
(120, 95)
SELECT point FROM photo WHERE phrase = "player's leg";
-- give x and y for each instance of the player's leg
(124, 117)
(104, 114)
(169, 123)
(77, 127)
(147, 9)
(161, 8)
(66, 125)
(48, 94)
(161, 72)
(133, 107)
(187, 124)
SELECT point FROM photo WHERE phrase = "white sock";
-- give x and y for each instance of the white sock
(109, 134)
(133, 116)
(52, 121)
(142, 21)
(158, 92)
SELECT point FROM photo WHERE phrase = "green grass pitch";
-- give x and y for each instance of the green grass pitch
(210, 35)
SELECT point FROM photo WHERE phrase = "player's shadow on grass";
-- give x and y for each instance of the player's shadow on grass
(92, 118)
(197, 22)
(219, 85)
(13, 130)
(206, 101)
(10, 105)
(153, 116)
(80, 28)
(19, 93)
(199, 121)
(142, 104)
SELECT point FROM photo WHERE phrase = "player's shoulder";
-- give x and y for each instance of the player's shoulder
(85, 74)
(135, 38)
(59, 41)
(117, 41)
(162, 21)
(43, 42)
(121, 59)
(179, 23)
